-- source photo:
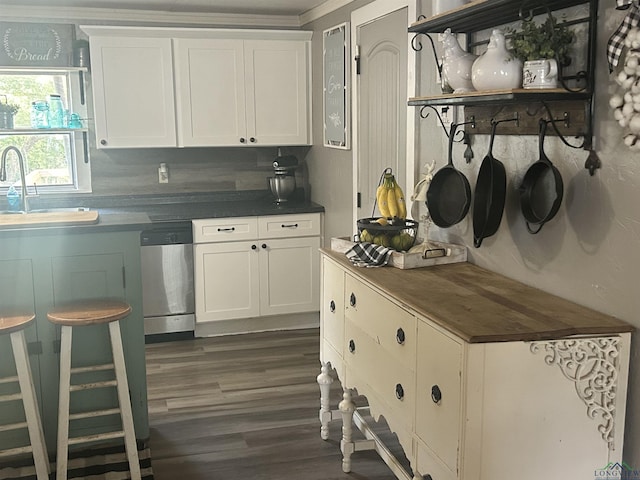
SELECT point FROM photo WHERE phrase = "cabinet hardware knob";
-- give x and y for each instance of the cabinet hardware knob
(242, 140)
(264, 245)
(332, 306)
(103, 142)
(399, 392)
(254, 247)
(427, 477)
(436, 394)
(352, 300)
(252, 140)
(352, 346)
(400, 336)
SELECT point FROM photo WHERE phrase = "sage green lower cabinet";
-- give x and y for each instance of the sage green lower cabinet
(40, 271)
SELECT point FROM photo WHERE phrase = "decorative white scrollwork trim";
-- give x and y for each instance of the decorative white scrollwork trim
(592, 364)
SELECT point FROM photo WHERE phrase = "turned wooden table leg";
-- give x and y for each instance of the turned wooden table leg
(324, 381)
(347, 407)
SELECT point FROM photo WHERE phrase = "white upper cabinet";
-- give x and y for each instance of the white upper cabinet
(184, 87)
(133, 92)
(210, 81)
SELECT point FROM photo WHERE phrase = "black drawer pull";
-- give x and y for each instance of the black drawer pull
(436, 394)
(400, 336)
(332, 306)
(230, 229)
(291, 225)
(352, 346)
(252, 140)
(427, 477)
(399, 392)
(242, 140)
(352, 300)
(254, 247)
(264, 245)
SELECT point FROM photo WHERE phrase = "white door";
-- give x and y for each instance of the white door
(210, 92)
(227, 280)
(277, 92)
(289, 275)
(380, 96)
(133, 92)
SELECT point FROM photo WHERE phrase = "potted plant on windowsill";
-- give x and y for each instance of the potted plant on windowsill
(542, 47)
(7, 111)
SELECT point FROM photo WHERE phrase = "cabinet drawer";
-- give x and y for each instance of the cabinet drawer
(332, 306)
(429, 465)
(438, 393)
(281, 226)
(225, 229)
(388, 324)
(393, 383)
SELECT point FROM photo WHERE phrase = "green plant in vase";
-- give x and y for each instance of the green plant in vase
(546, 40)
(7, 111)
(542, 47)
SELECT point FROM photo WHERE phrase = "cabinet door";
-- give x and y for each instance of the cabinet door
(277, 92)
(289, 275)
(133, 92)
(226, 280)
(439, 390)
(210, 92)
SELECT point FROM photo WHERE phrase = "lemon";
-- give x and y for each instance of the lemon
(365, 236)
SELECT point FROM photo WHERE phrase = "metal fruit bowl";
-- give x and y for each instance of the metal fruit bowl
(397, 234)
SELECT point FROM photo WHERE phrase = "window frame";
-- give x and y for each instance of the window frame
(78, 137)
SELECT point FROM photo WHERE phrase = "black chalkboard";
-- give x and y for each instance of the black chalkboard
(335, 72)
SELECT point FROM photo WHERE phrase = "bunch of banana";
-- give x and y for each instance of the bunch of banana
(390, 198)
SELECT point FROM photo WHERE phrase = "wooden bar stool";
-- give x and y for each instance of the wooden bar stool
(93, 312)
(14, 325)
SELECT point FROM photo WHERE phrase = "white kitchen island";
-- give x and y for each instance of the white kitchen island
(480, 376)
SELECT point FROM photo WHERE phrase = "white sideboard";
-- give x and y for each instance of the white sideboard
(480, 377)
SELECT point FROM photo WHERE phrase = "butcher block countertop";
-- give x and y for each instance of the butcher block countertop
(481, 306)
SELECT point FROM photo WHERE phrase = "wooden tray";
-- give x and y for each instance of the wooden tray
(36, 219)
(438, 254)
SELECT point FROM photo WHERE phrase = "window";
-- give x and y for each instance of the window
(56, 159)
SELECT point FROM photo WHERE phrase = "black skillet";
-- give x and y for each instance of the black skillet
(449, 193)
(542, 188)
(489, 195)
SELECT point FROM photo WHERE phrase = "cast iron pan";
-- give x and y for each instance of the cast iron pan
(489, 195)
(449, 193)
(541, 190)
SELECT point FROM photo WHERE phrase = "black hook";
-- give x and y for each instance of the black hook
(417, 46)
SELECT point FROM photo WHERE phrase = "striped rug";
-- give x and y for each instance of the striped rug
(107, 463)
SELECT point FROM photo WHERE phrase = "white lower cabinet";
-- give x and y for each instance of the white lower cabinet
(496, 409)
(241, 272)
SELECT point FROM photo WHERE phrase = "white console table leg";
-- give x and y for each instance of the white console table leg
(347, 407)
(324, 381)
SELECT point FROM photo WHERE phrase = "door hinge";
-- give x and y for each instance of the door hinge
(34, 348)
(124, 278)
(359, 200)
(357, 59)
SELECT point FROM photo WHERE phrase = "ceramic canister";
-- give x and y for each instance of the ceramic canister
(497, 68)
(440, 6)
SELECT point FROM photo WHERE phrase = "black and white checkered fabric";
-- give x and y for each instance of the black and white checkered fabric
(615, 45)
(367, 254)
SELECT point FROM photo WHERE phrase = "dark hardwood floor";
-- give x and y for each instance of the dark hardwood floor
(246, 406)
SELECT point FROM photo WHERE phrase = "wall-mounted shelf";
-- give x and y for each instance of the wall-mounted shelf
(483, 14)
(569, 109)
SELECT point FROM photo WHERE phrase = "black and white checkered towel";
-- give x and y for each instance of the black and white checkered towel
(367, 254)
(615, 45)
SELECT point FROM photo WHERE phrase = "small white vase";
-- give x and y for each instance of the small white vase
(496, 69)
(456, 63)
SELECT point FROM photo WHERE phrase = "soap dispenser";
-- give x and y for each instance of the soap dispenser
(13, 199)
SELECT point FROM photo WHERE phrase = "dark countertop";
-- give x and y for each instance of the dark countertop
(141, 212)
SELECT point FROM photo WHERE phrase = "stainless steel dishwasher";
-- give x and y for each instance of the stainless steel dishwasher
(168, 302)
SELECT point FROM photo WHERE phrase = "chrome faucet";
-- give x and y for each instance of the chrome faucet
(23, 180)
